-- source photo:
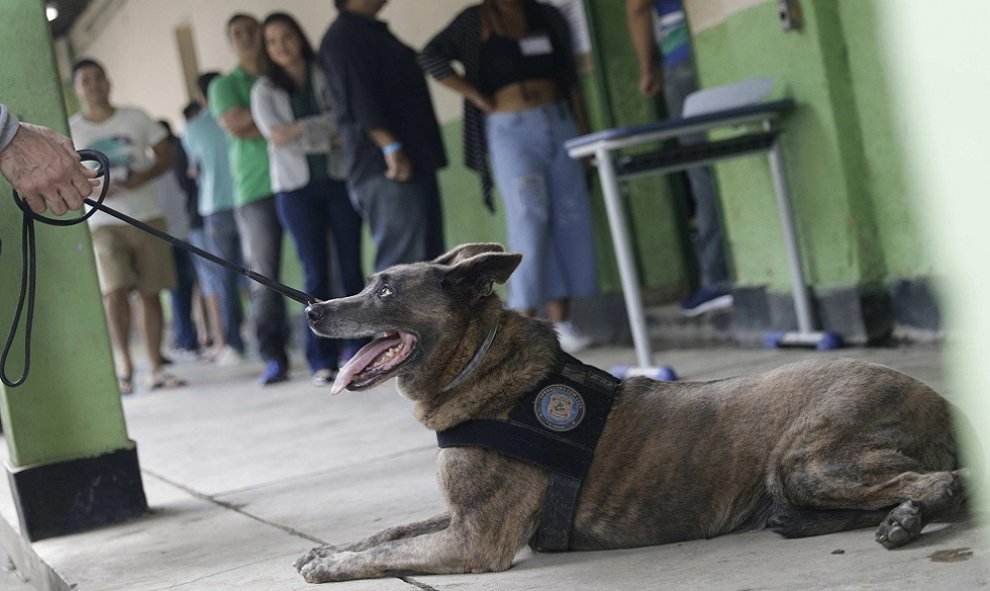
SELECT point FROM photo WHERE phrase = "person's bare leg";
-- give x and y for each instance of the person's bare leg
(151, 330)
(558, 310)
(118, 309)
(214, 320)
(199, 317)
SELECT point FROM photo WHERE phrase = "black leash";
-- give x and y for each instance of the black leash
(29, 262)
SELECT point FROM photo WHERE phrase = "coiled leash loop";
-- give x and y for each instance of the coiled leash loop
(29, 262)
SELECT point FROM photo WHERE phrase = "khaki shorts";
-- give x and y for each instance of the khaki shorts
(131, 259)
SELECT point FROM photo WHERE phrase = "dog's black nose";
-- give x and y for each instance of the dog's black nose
(313, 314)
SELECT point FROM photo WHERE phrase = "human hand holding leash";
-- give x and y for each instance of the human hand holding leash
(45, 170)
(25, 299)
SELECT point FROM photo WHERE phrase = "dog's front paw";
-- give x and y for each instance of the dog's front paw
(330, 568)
(314, 554)
(902, 525)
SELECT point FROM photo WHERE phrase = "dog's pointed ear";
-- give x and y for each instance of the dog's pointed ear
(475, 275)
(466, 251)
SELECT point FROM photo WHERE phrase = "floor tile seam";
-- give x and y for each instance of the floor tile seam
(233, 507)
(310, 475)
(213, 574)
(215, 497)
(418, 584)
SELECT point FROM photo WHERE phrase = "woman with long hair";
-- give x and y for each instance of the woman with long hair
(308, 165)
(521, 103)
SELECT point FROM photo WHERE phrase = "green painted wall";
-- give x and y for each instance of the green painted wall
(903, 244)
(854, 220)
(465, 217)
(70, 406)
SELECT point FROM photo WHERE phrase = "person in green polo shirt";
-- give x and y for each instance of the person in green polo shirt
(255, 214)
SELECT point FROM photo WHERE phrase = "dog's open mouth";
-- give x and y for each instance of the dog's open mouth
(375, 361)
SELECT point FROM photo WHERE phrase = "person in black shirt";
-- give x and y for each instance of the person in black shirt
(387, 121)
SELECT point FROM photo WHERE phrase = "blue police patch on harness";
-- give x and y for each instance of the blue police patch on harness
(559, 408)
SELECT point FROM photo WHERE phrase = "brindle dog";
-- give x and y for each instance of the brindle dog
(806, 449)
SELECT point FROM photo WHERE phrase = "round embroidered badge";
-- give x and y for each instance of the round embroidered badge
(559, 407)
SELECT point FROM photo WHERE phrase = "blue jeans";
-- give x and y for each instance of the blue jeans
(207, 273)
(406, 220)
(223, 240)
(307, 214)
(261, 241)
(182, 301)
(679, 81)
(548, 214)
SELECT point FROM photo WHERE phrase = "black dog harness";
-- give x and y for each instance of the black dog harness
(555, 426)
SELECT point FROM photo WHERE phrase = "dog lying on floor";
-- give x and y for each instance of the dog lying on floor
(807, 449)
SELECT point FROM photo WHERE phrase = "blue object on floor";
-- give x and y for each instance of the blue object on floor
(663, 373)
(274, 373)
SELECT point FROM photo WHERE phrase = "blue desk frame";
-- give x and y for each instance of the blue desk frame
(602, 146)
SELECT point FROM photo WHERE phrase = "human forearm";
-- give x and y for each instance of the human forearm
(639, 21)
(163, 164)
(458, 84)
(382, 137)
(580, 114)
(44, 168)
(239, 123)
(398, 167)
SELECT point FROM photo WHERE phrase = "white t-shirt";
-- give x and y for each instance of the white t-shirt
(127, 138)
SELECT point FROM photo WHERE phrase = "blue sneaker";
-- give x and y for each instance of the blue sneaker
(704, 300)
(275, 372)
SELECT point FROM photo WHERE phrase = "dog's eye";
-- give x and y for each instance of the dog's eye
(385, 291)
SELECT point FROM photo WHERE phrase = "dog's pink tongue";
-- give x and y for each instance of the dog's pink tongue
(362, 359)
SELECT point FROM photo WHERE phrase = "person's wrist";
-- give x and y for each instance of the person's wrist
(391, 148)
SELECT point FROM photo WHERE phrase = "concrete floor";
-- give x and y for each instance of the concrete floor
(241, 479)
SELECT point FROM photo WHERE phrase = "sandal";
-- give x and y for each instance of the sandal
(166, 380)
(125, 384)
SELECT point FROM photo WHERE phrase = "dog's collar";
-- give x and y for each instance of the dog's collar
(473, 363)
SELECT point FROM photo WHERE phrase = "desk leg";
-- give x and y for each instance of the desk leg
(802, 303)
(623, 252)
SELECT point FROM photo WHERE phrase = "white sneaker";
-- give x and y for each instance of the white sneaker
(324, 377)
(183, 355)
(571, 339)
(228, 356)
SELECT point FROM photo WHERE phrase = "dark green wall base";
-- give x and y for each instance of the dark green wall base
(915, 305)
(860, 317)
(74, 495)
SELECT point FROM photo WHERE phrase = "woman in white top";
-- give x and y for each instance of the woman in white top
(307, 164)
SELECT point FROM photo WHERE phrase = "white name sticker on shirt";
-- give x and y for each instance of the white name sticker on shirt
(535, 45)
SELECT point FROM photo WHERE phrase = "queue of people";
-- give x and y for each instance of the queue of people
(314, 142)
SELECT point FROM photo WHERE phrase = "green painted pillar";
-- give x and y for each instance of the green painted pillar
(71, 463)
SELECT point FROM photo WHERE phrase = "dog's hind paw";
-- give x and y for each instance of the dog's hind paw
(901, 525)
(314, 554)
